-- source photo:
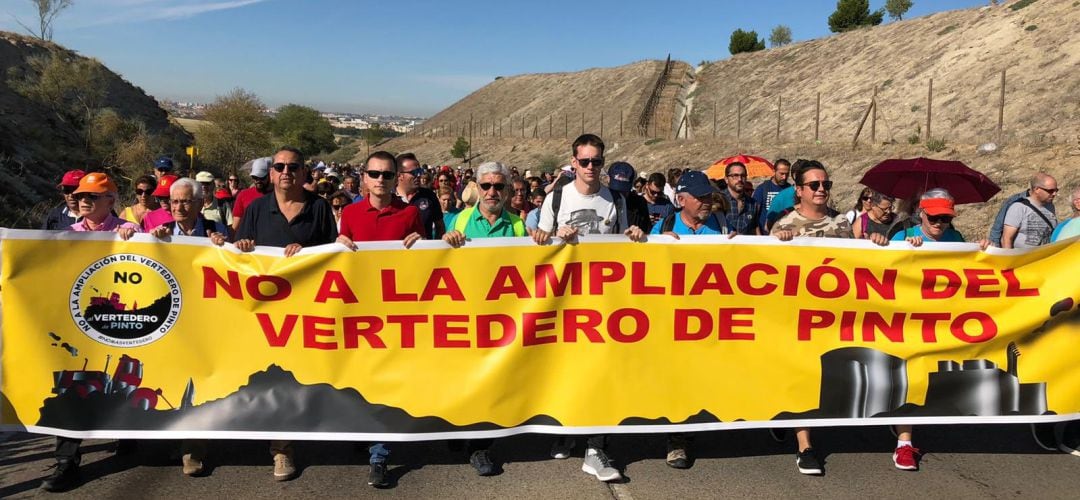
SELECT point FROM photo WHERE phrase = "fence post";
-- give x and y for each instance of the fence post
(566, 126)
(1001, 110)
(583, 122)
(817, 119)
(714, 119)
(779, 104)
(929, 107)
(873, 118)
(601, 123)
(621, 113)
(869, 109)
(738, 123)
(536, 127)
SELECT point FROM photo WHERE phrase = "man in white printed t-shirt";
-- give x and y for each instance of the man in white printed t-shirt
(574, 208)
(584, 205)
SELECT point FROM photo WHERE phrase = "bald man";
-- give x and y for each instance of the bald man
(1029, 222)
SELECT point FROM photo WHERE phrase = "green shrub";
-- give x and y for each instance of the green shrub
(948, 29)
(650, 142)
(1031, 27)
(936, 145)
(914, 138)
(1021, 4)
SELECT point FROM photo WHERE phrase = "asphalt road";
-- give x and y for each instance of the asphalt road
(959, 462)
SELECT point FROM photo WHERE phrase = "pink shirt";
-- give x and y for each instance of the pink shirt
(155, 218)
(111, 223)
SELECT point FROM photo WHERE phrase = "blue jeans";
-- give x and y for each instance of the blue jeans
(379, 453)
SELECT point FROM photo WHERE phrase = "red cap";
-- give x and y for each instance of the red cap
(937, 206)
(163, 185)
(71, 178)
(222, 194)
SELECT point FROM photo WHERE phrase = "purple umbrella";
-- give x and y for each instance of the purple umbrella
(910, 177)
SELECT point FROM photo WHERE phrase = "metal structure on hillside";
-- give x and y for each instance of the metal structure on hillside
(649, 112)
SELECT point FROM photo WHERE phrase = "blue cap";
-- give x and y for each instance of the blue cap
(620, 177)
(163, 163)
(695, 183)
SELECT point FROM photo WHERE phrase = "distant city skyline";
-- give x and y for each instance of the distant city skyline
(408, 58)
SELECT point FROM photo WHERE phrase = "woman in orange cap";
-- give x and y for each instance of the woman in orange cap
(936, 211)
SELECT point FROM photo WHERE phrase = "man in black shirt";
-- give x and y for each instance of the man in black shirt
(289, 216)
(62, 216)
(621, 177)
(425, 200)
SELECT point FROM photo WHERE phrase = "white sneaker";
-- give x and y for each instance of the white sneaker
(597, 464)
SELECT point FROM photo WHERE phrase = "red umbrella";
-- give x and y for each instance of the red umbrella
(756, 166)
(910, 177)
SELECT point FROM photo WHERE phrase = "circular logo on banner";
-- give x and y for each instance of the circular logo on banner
(125, 300)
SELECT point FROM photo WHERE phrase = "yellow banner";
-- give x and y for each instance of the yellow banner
(183, 339)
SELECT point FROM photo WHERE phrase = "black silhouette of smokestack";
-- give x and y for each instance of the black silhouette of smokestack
(1012, 354)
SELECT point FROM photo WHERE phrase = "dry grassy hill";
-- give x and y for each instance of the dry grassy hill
(963, 51)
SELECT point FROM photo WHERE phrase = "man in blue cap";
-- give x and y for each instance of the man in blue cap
(162, 166)
(696, 197)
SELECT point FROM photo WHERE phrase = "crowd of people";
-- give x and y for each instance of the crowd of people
(292, 203)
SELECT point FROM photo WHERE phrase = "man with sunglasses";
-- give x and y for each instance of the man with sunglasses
(1028, 222)
(584, 206)
(63, 216)
(660, 206)
(260, 186)
(426, 202)
(381, 216)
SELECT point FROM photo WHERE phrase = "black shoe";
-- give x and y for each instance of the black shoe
(65, 475)
(808, 462)
(482, 463)
(377, 476)
(678, 455)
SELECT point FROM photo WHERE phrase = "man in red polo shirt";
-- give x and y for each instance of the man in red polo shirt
(381, 216)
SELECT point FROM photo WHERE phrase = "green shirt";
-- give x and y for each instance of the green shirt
(475, 225)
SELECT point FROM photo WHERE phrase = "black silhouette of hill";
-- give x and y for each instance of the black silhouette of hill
(159, 309)
(701, 417)
(272, 401)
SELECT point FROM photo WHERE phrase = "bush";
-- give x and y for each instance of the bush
(781, 35)
(745, 41)
(936, 145)
(852, 14)
(1021, 4)
(1031, 27)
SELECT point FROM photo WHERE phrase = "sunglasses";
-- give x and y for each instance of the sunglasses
(67, 189)
(257, 178)
(233, 179)
(1051, 191)
(143, 192)
(414, 173)
(384, 174)
(815, 185)
(91, 197)
(939, 219)
(484, 186)
(338, 207)
(595, 162)
(292, 167)
(864, 198)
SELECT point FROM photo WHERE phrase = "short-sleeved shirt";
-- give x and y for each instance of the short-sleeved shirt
(448, 216)
(532, 221)
(243, 199)
(744, 221)
(712, 225)
(661, 208)
(264, 223)
(362, 222)
(590, 213)
(830, 226)
(479, 227)
(111, 223)
(951, 235)
(783, 201)
(1066, 230)
(764, 195)
(427, 203)
(1032, 229)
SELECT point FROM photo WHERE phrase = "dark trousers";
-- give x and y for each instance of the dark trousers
(599, 441)
(67, 449)
(474, 445)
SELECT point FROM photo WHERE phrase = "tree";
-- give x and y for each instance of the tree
(781, 35)
(47, 12)
(460, 149)
(852, 14)
(237, 131)
(303, 128)
(745, 41)
(897, 8)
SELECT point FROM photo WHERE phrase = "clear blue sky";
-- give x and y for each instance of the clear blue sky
(401, 56)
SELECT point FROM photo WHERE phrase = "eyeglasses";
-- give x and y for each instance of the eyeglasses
(292, 167)
(884, 209)
(939, 219)
(233, 179)
(384, 174)
(414, 173)
(1050, 191)
(815, 185)
(738, 176)
(337, 207)
(484, 186)
(143, 192)
(91, 197)
(594, 162)
(186, 203)
(67, 189)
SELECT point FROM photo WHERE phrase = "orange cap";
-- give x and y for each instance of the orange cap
(938, 206)
(96, 182)
(163, 185)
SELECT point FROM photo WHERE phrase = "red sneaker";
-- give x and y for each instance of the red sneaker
(906, 458)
